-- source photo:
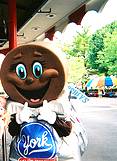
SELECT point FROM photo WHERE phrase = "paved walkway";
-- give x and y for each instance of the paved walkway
(102, 101)
(97, 101)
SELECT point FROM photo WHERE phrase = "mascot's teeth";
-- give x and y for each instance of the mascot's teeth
(34, 100)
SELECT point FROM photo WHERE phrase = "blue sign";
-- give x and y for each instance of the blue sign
(77, 93)
(36, 141)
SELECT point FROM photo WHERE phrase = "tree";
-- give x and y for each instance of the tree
(80, 45)
(76, 53)
(95, 45)
(98, 51)
(107, 58)
(76, 69)
(102, 50)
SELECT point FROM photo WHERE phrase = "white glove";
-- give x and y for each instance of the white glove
(46, 113)
(24, 115)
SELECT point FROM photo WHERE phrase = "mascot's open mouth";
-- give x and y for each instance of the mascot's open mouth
(34, 95)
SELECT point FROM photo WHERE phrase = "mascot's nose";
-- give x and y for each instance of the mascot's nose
(29, 80)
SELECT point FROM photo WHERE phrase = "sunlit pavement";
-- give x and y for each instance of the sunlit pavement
(99, 116)
(97, 102)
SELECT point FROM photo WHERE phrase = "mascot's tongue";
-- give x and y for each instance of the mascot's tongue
(34, 100)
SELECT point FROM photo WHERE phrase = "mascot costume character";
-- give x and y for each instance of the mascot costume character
(34, 77)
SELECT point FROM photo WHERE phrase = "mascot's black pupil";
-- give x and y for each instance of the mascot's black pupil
(21, 73)
(37, 72)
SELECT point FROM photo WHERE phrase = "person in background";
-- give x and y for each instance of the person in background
(4, 116)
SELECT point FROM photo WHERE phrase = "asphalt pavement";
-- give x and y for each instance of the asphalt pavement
(99, 117)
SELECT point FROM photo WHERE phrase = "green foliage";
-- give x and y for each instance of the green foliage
(107, 58)
(79, 46)
(81, 43)
(102, 54)
(98, 53)
(95, 45)
(76, 69)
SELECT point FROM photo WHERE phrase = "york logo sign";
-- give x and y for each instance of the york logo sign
(36, 141)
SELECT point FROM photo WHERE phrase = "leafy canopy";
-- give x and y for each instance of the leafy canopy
(98, 51)
(102, 53)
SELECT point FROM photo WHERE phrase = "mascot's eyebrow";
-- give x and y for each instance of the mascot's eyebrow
(36, 53)
(41, 59)
(19, 55)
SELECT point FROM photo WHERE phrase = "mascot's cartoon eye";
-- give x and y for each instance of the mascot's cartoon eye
(21, 71)
(37, 69)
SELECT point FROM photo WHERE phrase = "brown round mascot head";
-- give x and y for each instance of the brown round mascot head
(33, 73)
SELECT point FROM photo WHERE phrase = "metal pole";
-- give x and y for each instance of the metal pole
(12, 27)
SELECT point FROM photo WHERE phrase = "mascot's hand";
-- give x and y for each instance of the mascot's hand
(24, 115)
(46, 113)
